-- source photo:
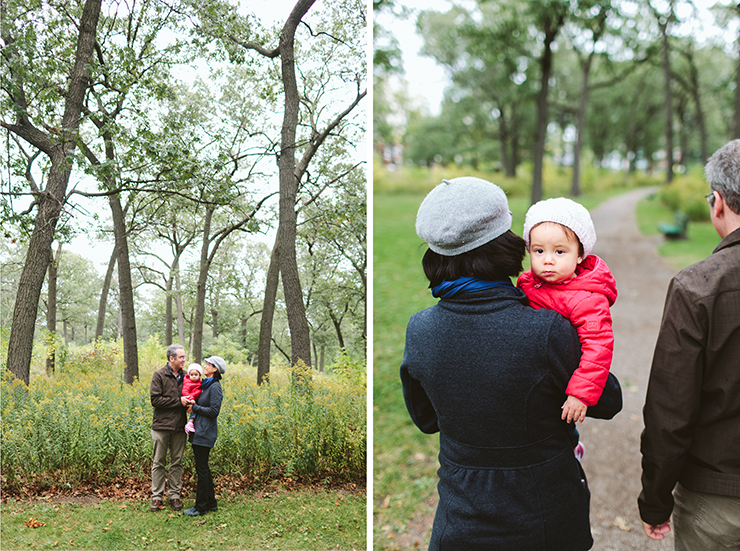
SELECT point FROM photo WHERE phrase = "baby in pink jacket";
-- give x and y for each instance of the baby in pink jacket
(566, 278)
(191, 389)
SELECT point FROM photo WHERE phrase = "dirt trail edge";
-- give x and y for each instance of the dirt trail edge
(612, 460)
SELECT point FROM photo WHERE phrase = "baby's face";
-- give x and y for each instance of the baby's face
(553, 253)
(194, 375)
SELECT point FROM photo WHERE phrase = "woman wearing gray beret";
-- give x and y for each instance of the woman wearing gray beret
(206, 409)
(488, 372)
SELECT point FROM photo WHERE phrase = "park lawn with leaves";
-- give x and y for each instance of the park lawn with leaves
(303, 519)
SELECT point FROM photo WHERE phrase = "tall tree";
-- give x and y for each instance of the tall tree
(550, 17)
(292, 171)
(57, 141)
(140, 70)
(665, 22)
(596, 25)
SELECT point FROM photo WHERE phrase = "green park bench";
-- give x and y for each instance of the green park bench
(677, 230)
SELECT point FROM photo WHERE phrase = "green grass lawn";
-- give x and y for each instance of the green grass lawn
(405, 460)
(281, 519)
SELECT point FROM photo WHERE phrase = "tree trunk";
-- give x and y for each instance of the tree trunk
(286, 235)
(503, 138)
(321, 361)
(99, 328)
(575, 189)
(200, 292)
(268, 312)
(50, 203)
(697, 97)
(668, 99)
(126, 293)
(337, 322)
(551, 28)
(51, 311)
(214, 322)
(178, 303)
(168, 311)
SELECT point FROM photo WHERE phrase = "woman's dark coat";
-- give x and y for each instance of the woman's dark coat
(206, 410)
(489, 373)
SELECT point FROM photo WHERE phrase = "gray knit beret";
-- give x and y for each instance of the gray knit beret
(566, 212)
(217, 362)
(462, 214)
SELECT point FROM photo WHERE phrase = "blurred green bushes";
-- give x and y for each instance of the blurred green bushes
(557, 179)
(687, 194)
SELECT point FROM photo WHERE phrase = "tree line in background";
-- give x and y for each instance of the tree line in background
(612, 82)
(202, 131)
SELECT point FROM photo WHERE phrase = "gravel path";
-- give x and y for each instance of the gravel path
(612, 460)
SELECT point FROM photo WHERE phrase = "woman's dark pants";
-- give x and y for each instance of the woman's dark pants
(205, 495)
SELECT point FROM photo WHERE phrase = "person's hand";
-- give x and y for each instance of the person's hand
(190, 408)
(574, 410)
(656, 531)
(185, 402)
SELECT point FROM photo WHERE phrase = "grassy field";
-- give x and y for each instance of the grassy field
(311, 520)
(405, 460)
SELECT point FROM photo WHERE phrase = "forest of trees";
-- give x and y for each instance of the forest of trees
(609, 82)
(215, 154)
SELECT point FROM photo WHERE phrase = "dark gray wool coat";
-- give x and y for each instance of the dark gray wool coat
(206, 409)
(489, 373)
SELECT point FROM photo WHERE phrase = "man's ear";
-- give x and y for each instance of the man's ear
(719, 205)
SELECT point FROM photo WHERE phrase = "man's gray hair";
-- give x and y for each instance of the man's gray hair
(172, 350)
(722, 171)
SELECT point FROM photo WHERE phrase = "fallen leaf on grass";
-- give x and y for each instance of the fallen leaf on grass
(201, 523)
(34, 523)
(620, 523)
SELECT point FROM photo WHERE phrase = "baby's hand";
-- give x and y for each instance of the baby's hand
(574, 410)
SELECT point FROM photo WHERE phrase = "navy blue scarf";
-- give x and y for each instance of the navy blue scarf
(207, 382)
(448, 289)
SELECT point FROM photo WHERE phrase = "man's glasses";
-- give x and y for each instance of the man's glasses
(710, 198)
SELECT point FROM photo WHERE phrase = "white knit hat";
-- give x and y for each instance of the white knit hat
(565, 212)
(197, 367)
(462, 214)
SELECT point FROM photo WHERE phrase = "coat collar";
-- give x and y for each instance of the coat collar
(730, 240)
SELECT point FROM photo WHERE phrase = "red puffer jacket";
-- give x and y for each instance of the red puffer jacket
(585, 300)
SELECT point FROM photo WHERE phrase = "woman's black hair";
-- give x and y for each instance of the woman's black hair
(217, 375)
(500, 258)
